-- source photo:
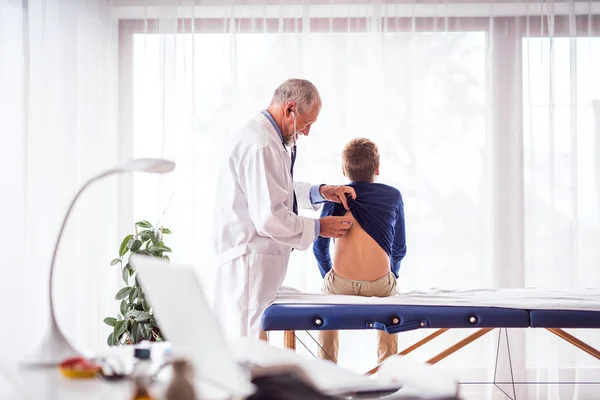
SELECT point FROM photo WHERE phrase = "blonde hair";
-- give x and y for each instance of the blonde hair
(360, 159)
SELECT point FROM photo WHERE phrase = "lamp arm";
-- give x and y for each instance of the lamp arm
(60, 234)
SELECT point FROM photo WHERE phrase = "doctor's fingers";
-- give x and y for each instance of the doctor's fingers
(349, 190)
(334, 227)
(343, 230)
(342, 192)
(337, 233)
(343, 222)
(344, 201)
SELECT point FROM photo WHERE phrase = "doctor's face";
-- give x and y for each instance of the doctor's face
(304, 122)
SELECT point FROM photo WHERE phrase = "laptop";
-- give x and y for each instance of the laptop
(185, 318)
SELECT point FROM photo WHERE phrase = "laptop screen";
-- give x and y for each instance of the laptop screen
(184, 317)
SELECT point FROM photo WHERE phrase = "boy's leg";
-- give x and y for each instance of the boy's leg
(329, 340)
(387, 345)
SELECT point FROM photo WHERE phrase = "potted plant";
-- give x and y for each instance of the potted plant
(135, 321)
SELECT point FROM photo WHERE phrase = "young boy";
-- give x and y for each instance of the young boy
(367, 259)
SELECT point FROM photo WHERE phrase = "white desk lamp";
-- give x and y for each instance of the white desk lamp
(55, 347)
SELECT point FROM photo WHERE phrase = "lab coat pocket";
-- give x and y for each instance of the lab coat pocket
(266, 273)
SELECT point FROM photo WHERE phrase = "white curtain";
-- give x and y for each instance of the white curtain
(58, 128)
(483, 114)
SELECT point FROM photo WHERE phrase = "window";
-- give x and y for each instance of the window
(490, 169)
(424, 104)
(561, 148)
(560, 83)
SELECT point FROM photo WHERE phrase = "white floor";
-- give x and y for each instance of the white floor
(531, 391)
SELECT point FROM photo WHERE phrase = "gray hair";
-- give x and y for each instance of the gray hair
(302, 92)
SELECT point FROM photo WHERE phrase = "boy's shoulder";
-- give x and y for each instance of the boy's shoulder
(375, 188)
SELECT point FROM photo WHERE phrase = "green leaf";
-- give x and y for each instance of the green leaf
(115, 261)
(125, 274)
(142, 330)
(166, 231)
(158, 250)
(120, 328)
(130, 269)
(124, 292)
(124, 245)
(146, 331)
(144, 224)
(119, 317)
(133, 294)
(154, 238)
(123, 307)
(133, 314)
(134, 335)
(135, 245)
(109, 339)
(166, 257)
(110, 321)
(145, 305)
(143, 316)
(145, 235)
(139, 316)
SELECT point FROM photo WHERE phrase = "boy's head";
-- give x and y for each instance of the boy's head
(360, 160)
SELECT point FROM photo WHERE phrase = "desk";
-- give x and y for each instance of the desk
(17, 383)
(20, 383)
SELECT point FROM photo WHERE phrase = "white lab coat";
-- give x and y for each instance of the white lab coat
(255, 227)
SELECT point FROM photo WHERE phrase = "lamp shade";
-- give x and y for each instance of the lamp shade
(149, 165)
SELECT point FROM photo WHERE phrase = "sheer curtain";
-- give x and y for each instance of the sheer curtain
(483, 114)
(486, 115)
(58, 127)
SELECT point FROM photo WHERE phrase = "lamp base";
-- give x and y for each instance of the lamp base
(53, 350)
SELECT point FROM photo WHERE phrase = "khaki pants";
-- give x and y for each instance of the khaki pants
(387, 345)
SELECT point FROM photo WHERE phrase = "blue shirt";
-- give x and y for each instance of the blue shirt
(379, 210)
(315, 196)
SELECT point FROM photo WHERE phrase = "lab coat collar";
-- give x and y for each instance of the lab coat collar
(270, 118)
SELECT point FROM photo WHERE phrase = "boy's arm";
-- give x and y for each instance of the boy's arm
(399, 245)
(321, 245)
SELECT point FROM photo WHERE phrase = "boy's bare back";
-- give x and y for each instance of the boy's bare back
(357, 255)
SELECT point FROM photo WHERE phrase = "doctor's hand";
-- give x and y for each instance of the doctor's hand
(337, 194)
(334, 227)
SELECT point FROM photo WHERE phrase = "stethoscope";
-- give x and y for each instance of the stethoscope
(295, 134)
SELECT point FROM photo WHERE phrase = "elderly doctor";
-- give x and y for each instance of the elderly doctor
(256, 218)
